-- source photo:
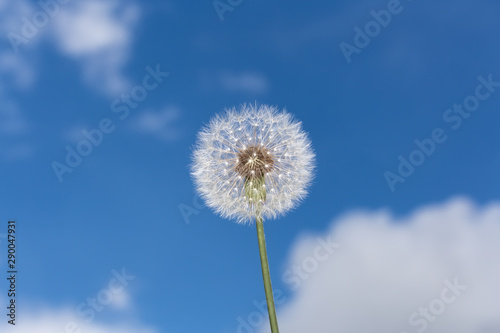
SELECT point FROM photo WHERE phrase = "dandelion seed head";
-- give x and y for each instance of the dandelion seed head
(252, 161)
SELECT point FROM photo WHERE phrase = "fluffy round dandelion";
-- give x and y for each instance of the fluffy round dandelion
(254, 163)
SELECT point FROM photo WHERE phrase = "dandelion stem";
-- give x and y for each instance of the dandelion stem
(266, 276)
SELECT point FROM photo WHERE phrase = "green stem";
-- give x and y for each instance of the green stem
(266, 276)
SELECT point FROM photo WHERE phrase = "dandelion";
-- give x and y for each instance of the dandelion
(254, 163)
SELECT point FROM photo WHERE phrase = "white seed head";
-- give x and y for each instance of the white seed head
(256, 144)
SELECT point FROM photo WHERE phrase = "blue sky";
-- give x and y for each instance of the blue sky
(121, 207)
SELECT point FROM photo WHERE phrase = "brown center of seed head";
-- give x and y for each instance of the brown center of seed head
(254, 162)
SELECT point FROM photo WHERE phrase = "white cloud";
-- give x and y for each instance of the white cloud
(248, 82)
(14, 130)
(17, 151)
(52, 321)
(74, 134)
(89, 28)
(11, 13)
(12, 122)
(121, 301)
(16, 70)
(20, 72)
(13, 133)
(99, 35)
(387, 268)
(160, 124)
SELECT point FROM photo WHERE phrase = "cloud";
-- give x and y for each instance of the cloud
(99, 35)
(16, 70)
(253, 83)
(11, 13)
(12, 122)
(121, 301)
(16, 151)
(52, 321)
(20, 72)
(110, 311)
(14, 133)
(17, 73)
(14, 130)
(159, 124)
(247, 82)
(388, 269)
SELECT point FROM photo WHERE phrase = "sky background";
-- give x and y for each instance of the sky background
(130, 204)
